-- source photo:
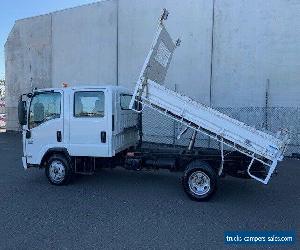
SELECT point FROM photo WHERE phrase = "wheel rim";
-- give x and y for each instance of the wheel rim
(57, 171)
(199, 183)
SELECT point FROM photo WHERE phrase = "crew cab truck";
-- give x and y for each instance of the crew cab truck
(73, 130)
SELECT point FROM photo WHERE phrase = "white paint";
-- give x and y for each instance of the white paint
(81, 136)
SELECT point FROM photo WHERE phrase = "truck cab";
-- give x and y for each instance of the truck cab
(79, 121)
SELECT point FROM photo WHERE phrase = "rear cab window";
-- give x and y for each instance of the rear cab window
(125, 100)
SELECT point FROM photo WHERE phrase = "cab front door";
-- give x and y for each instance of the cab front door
(44, 128)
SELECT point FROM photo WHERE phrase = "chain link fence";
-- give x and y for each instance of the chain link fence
(161, 129)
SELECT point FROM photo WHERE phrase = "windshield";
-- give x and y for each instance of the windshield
(44, 106)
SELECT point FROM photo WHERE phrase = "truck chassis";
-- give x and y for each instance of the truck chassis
(200, 166)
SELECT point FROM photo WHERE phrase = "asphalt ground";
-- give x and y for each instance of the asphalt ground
(118, 209)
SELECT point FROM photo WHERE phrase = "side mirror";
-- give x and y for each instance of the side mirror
(22, 112)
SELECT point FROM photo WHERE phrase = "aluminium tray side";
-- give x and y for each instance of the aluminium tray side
(167, 101)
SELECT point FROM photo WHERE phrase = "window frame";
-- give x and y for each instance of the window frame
(30, 105)
(124, 94)
(87, 91)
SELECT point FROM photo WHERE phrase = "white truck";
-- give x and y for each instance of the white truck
(74, 130)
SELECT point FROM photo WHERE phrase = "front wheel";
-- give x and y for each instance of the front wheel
(58, 170)
(200, 181)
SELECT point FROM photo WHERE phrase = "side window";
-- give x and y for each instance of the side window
(89, 104)
(44, 106)
(125, 101)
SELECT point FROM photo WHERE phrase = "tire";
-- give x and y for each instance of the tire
(59, 170)
(200, 181)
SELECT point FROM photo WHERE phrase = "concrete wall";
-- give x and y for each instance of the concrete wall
(84, 45)
(27, 61)
(255, 41)
(77, 45)
(190, 20)
(243, 42)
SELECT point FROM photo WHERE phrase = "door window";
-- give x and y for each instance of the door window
(89, 104)
(44, 106)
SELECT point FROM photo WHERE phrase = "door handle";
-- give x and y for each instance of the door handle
(103, 136)
(58, 136)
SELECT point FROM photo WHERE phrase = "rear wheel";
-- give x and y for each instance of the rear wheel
(58, 170)
(200, 181)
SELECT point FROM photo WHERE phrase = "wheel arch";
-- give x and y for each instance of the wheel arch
(199, 162)
(52, 151)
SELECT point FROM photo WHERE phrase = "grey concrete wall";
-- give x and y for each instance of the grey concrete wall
(27, 62)
(245, 42)
(77, 45)
(190, 20)
(84, 45)
(255, 41)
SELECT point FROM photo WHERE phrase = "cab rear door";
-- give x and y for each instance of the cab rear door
(88, 128)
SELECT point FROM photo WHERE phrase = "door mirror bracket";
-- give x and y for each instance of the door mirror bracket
(22, 112)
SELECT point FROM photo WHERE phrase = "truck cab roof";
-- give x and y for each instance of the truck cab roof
(87, 87)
